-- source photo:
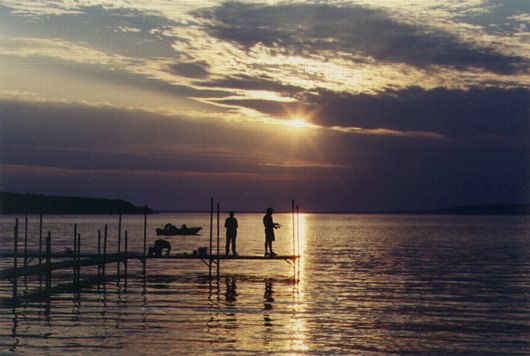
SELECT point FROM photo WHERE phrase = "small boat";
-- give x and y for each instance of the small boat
(172, 230)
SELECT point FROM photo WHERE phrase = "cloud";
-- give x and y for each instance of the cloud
(88, 137)
(198, 69)
(442, 112)
(122, 31)
(246, 82)
(307, 30)
(417, 105)
(503, 17)
(169, 162)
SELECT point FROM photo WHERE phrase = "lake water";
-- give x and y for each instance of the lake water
(369, 284)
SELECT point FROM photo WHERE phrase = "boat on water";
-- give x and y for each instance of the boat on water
(172, 230)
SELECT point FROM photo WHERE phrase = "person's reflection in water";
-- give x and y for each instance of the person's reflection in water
(267, 303)
(231, 290)
(230, 318)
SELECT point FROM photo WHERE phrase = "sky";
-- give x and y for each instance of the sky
(341, 105)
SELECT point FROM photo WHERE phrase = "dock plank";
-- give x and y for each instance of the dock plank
(94, 260)
(9, 273)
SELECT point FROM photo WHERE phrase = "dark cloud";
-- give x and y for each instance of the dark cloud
(122, 31)
(454, 113)
(172, 163)
(311, 29)
(84, 137)
(198, 69)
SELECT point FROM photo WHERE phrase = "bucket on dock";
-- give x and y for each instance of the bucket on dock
(202, 251)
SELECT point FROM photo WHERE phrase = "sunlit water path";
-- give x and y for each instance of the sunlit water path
(368, 285)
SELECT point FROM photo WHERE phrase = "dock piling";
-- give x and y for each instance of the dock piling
(292, 215)
(119, 243)
(211, 239)
(119, 233)
(126, 254)
(218, 240)
(74, 250)
(15, 256)
(40, 238)
(145, 236)
(99, 254)
(78, 258)
(48, 262)
(104, 251)
(40, 249)
(145, 229)
(25, 240)
(297, 262)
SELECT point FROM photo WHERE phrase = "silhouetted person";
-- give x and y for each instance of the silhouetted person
(231, 233)
(158, 247)
(269, 232)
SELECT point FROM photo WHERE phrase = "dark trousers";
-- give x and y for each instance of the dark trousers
(231, 239)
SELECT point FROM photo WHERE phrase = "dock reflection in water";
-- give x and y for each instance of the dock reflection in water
(369, 285)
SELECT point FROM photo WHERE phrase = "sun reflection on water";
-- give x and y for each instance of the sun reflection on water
(297, 325)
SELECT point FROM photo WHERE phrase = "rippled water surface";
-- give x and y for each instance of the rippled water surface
(369, 284)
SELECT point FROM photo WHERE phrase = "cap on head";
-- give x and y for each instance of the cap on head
(269, 210)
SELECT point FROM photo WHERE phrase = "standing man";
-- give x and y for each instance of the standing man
(269, 232)
(231, 233)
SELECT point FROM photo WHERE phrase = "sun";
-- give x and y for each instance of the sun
(297, 123)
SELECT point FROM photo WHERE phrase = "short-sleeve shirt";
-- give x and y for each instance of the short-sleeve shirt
(231, 226)
(269, 227)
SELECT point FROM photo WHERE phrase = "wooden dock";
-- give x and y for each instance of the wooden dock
(48, 261)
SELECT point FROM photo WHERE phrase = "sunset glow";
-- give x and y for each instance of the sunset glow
(330, 101)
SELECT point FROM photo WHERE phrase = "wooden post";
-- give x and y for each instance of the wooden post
(293, 243)
(25, 241)
(74, 251)
(297, 230)
(211, 239)
(40, 239)
(15, 256)
(145, 230)
(41, 255)
(126, 242)
(217, 240)
(25, 249)
(126, 254)
(119, 245)
(78, 260)
(48, 262)
(119, 234)
(145, 237)
(104, 251)
(99, 254)
(292, 213)
(298, 240)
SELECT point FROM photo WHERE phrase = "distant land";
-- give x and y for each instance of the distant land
(17, 203)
